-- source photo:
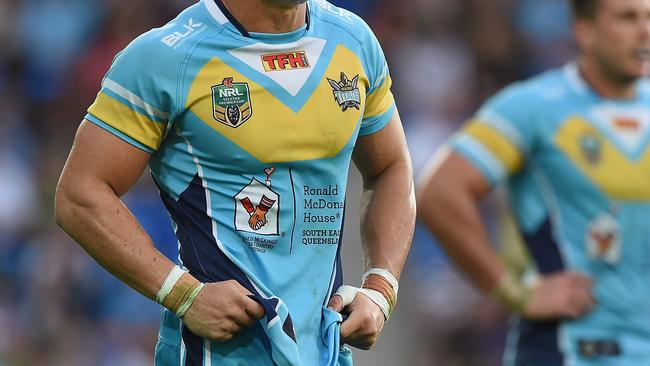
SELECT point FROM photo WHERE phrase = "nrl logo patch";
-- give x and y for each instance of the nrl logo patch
(231, 103)
(346, 92)
(591, 145)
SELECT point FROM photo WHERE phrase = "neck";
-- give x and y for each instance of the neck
(264, 16)
(605, 83)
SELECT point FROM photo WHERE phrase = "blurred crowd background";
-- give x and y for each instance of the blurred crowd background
(57, 307)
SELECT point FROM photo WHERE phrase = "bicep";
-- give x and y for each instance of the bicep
(374, 154)
(100, 158)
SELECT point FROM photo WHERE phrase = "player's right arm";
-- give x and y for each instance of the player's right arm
(126, 123)
(99, 170)
(448, 200)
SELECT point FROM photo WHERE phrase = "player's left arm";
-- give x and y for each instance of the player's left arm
(388, 199)
(387, 224)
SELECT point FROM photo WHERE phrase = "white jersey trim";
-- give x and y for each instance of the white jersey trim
(134, 99)
(215, 12)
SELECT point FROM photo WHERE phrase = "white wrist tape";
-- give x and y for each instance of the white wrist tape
(185, 306)
(385, 274)
(348, 293)
(167, 286)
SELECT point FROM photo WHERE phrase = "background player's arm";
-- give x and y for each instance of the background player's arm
(387, 222)
(100, 169)
(448, 204)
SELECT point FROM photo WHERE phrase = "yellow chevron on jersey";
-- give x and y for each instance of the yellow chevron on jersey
(603, 163)
(310, 131)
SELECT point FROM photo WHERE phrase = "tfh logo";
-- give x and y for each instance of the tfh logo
(285, 61)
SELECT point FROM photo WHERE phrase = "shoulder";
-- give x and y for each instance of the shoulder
(167, 44)
(530, 94)
(342, 20)
(355, 34)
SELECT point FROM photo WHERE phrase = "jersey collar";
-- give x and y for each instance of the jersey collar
(223, 15)
(582, 87)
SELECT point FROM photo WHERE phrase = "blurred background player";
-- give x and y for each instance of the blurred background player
(248, 114)
(573, 146)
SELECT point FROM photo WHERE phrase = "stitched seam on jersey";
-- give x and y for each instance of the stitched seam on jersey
(182, 72)
(204, 185)
(293, 226)
(361, 43)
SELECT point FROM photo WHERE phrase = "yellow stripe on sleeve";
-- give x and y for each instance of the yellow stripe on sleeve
(507, 152)
(132, 123)
(380, 100)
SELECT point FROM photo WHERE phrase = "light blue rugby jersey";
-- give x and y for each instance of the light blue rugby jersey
(578, 170)
(251, 137)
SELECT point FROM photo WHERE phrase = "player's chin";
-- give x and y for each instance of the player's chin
(637, 68)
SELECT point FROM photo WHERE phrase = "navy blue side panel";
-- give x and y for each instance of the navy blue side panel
(287, 327)
(538, 340)
(544, 249)
(199, 250)
(538, 343)
(194, 348)
(200, 253)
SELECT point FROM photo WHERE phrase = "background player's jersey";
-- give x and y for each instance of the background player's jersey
(251, 137)
(578, 169)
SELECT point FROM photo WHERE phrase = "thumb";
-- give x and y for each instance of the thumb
(336, 303)
(342, 297)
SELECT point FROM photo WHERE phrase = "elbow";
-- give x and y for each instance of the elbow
(62, 206)
(67, 205)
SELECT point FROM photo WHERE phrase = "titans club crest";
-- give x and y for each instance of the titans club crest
(346, 92)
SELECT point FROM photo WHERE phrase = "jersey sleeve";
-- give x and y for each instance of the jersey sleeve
(497, 140)
(380, 104)
(135, 102)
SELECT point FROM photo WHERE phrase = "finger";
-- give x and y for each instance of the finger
(238, 286)
(336, 303)
(244, 320)
(581, 280)
(580, 304)
(253, 308)
(222, 336)
(351, 325)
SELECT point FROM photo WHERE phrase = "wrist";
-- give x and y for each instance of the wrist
(383, 287)
(512, 293)
(178, 291)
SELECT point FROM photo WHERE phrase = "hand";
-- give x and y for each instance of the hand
(257, 219)
(364, 323)
(560, 295)
(221, 310)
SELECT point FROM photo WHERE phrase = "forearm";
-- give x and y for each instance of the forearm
(388, 219)
(452, 214)
(104, 227)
